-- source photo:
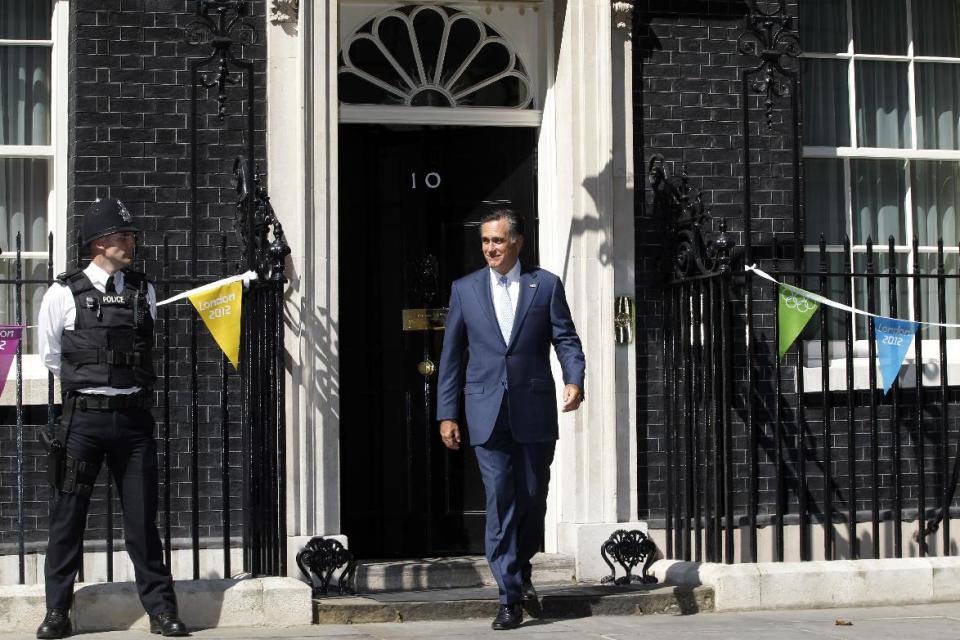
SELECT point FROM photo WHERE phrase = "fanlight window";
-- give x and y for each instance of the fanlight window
(432, 56)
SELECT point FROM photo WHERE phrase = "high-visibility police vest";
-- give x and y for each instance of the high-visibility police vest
(111, 344)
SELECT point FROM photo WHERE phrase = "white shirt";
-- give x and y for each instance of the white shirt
(513, 285)
(58, 313)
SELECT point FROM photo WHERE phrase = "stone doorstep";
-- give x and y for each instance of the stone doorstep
(556, 602)
(819, 584)
(452, 573)
(268, 602)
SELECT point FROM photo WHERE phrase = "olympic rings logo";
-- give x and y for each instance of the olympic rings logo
(798, 303)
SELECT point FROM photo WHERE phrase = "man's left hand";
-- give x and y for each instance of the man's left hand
(572, 397)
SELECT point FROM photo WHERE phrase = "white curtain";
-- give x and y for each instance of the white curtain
(25, 19)
(936, 203)
(878, 198)
(825, 209)
(880, 26)
(879, 189)
(938, 103)
(825, 103)
(823, 25)
(883, 111)
(24, 190)
(25, 95)
(24, 120)
(936, 28)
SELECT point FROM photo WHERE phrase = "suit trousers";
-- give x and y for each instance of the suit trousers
(516, 477)
(125, 438)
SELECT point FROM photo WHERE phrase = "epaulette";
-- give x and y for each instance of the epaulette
(65, 277)
(135, 278)
(76, 280)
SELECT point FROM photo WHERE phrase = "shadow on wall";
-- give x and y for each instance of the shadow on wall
(647, 40)
(319, 421)
(589, 221)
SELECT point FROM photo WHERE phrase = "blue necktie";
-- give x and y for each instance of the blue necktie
(504, 308)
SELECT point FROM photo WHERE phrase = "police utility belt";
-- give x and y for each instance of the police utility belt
(66, 473)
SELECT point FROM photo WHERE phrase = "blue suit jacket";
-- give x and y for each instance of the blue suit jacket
(523, 366)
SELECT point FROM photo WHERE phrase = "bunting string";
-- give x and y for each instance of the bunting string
(837, 305)
(245, 277)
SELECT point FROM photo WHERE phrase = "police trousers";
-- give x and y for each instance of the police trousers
(124, 438)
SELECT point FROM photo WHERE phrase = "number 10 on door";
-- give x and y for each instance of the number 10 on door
(431, 180)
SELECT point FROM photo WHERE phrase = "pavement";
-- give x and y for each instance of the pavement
(914, 622)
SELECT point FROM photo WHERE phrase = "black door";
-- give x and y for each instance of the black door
(411, 198)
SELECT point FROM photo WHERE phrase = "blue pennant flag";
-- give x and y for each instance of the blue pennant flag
(894, 338)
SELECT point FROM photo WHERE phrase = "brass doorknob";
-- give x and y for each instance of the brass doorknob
(426, 368)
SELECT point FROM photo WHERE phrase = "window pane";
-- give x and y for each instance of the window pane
(825, 103)
(878, 197)
(929, 303)
(936, 28)
(25, 19)
(880, 26)
(834, 290)
(24, 95)
(883, 112)
(936, 201)
(823, 25)
(24, 191)
(826, 214)
(33, 269)
(938, 104)
(881, 291)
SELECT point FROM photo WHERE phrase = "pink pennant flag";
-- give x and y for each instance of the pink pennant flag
(10, 335)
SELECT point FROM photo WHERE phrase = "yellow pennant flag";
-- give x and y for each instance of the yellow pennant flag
(220, 309)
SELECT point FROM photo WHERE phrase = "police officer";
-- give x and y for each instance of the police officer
(96, 334)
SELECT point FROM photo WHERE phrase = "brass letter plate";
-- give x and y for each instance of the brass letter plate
(424, 319)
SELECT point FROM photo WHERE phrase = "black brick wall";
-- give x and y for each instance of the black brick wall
(688, 107)
(129, 113)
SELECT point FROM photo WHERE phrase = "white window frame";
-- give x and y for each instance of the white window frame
(34, 373)
(836, 357)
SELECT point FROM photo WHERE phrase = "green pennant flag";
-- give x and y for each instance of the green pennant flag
(795, 311)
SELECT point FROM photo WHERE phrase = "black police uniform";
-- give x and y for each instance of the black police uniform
(110, 346)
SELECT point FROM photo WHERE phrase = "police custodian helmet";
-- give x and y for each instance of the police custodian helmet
(103, 217)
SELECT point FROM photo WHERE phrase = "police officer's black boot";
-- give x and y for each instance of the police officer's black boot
(56, 624)
(167, 624)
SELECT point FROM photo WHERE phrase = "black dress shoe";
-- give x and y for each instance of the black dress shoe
(56, 624)
(531, 600)
(167, 624)
(510, 617)
(528, 590)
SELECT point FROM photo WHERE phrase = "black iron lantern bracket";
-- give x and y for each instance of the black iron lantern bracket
(221, 23)
(769, 35)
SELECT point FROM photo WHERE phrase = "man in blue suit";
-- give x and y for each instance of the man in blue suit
(503, 319)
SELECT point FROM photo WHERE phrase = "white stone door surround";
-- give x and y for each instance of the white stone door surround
(584, 194)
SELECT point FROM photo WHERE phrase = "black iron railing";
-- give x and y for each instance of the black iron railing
(221, 433)
(206, 415)
(756, 442)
